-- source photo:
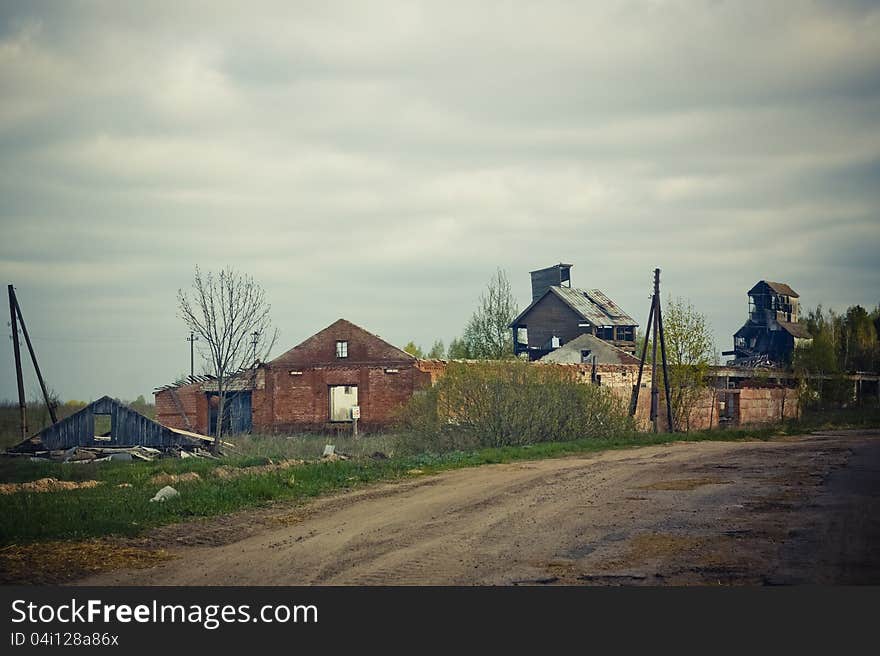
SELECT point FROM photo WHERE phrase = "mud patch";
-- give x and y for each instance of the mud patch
(53, 562)
(683, 484)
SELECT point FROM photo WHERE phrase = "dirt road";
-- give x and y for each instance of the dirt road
(793, 510)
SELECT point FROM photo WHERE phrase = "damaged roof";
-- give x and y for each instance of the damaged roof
(591, 305)
(128, 428)
(572, 352)
(778, 287)
(795, 329)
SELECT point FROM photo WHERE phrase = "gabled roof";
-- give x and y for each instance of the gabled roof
(591, 305)
(130, 428)
(570, 352)
(778, 287)
(377, 349)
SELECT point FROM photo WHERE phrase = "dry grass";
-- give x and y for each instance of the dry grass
(46, 485)
(170, 479)
(225, 472)
(60, 561)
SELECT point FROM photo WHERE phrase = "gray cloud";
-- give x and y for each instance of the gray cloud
(378, 161)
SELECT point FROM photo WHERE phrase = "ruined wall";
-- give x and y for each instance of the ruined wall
(301, 400)
(283, 401)
(767, 405)
(193, 403)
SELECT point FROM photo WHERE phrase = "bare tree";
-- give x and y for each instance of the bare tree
(230, 314)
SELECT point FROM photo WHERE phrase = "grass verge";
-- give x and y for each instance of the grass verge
(120, 505)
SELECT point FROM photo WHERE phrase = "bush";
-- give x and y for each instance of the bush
(491, 404)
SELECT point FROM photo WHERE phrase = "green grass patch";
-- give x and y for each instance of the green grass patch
(120, 504)
(112, 510)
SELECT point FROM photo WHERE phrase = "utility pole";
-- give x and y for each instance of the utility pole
(50, 406)
(192, 339)
(255, 338)
(655, 325)
(22, 407)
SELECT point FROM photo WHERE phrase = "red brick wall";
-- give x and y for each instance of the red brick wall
(363, 348)
(194, 405)
(301, 401)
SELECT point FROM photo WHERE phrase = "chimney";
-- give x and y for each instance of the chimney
(554, 276)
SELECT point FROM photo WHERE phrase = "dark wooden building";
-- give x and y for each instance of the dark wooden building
(559, 313)
(122, 426)
(772, 329)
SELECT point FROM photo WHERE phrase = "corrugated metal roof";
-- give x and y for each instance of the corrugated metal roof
(594, 306)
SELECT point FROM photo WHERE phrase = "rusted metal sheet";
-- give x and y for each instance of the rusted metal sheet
(128, 428)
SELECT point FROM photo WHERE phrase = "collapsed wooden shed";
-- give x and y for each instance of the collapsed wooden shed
(127, 428)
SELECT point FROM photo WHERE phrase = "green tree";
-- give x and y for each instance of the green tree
(487, 334)
(438, 350)
(414, 349)
(690, 352)
(818, 364)
(458, 350)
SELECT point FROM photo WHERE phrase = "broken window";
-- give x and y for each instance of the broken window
(342, 399)
(585, 355)
(341, 349)
(103, 427)
(606, 332)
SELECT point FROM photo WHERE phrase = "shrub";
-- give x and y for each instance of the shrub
(490, 404)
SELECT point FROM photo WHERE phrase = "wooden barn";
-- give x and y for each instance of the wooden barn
(108, 423)
(559, 313)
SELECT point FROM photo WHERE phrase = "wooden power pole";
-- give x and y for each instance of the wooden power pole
(655, 327)
(16, 348)
(18, 318)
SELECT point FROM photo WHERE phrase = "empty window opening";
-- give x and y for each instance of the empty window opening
(341, 349)
(342, 399)
(585, 355)
(103, 427)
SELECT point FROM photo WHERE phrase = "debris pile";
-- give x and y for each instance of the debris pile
(46, 485)
(167, 479)
(330, 454)
(86, 454)
(225, 472)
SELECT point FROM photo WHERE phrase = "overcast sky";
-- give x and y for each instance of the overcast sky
(377, 161)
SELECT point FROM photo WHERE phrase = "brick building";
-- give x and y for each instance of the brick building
(313, 386)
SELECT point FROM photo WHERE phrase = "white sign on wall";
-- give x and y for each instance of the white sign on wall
(355, 412)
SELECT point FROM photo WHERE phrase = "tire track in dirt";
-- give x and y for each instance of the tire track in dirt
(686, 513)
